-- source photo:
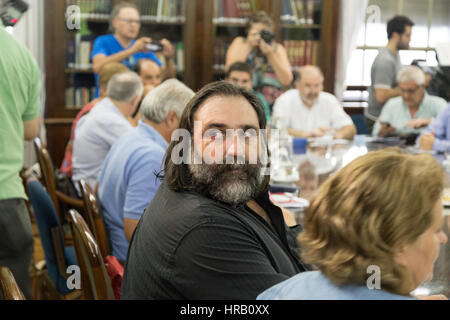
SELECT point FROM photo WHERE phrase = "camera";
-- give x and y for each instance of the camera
(267, 36)
(12, 11)
(155, 47)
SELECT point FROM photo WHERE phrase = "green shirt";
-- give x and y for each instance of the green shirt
(397, 114)
(20, 89)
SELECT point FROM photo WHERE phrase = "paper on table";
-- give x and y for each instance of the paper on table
(286, 200)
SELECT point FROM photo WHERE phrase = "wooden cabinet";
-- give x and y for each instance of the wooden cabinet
(197, 32)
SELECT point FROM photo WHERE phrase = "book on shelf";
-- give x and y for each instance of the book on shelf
(77, 97)
(92, 8)
(220, 50)
(310, 11)
(78, 52)
(234, 10)
(301, 52)
(179, 60)
(299, 11)
(162, 10)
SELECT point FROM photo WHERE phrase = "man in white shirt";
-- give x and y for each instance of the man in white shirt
(97, 131)
(307, 111)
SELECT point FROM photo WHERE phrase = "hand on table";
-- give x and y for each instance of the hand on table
(426, 141)
(418, 123)
(386, 129)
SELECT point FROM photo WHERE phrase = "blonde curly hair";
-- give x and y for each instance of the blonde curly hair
(366, 212)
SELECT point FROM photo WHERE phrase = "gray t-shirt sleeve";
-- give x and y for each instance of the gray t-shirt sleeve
(383, 74)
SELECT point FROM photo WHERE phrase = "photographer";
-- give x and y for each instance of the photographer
(122, 46)
(268, 59)
(20, 90)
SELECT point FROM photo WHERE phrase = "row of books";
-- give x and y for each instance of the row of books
(220, 50)
(300, 11)
(94, 7)
(301, 52)
(162, 8)
(77, 97)
(235, 8)
(79, 50)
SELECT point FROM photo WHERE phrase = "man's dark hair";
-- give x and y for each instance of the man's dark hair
(398, 24)
(239, 66)
(178, 176)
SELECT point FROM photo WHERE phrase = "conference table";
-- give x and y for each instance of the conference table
(330, 156)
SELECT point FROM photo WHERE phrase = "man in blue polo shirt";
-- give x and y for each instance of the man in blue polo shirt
(122, 46)
(128, 180)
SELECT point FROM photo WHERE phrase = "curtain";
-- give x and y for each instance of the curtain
(352, 14)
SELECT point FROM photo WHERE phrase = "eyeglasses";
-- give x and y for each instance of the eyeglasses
(409, 91)
(129, 21)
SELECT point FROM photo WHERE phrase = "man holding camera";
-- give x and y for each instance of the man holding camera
(122, 46)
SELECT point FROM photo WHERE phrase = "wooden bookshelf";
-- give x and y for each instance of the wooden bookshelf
(322, 31)
(197, 31)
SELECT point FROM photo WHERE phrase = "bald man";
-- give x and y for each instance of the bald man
(149, 71)
(307, 111)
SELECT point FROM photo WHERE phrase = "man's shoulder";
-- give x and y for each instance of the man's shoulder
(290, 95)
(105, 38)
(328, 97)
(393, 103)
(435, 100)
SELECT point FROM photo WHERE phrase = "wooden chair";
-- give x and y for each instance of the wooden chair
(8, 285)
(94, 218)
(49, 181)
(94, 276)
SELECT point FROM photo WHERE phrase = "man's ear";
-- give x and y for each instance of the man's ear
(171, 119)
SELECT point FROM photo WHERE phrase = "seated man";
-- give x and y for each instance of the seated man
(128, 180)
(211, 231)
(149, 71)
(106, 74)
(97, 131)
(240, 73)
(437, 136)
(411, 112)
(307, 111)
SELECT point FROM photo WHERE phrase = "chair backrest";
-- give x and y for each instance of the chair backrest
(48, 174)
(50, 234)
(93, 217)
(9, 286)
(94, 276)
(360, 123)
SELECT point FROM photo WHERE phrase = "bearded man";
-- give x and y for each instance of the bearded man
(211, 231)
(307, 111)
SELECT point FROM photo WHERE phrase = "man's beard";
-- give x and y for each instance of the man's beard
(311, 98)
(402, 46)
(221, 182)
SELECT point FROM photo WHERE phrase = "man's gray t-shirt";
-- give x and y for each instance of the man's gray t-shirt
(383, 76)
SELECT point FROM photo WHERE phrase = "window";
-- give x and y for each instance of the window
(431, 18)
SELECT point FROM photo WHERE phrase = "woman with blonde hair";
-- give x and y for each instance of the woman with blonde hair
(373, 230)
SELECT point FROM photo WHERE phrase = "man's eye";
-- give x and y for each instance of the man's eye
(248, 134)
(213, 134)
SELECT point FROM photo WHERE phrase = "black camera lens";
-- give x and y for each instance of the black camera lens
(267, 36)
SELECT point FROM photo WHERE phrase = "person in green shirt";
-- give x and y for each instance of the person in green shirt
(20, 89)
(240, 74)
